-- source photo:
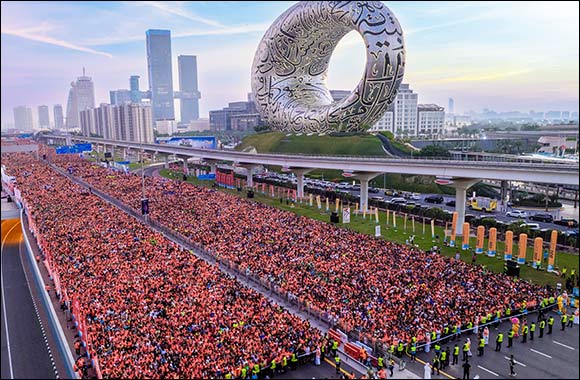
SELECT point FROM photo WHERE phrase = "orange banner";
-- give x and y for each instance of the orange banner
(465, 244)
(492, 243)
(538, 245)
(552, 254)
(480, 237)
(523, 247)
(509, 245)
(453, 229)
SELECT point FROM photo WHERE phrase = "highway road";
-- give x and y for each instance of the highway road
(554, 356)
(26, 337)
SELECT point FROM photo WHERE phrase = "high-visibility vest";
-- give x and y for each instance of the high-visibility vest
(469, 325)
(414, 340)
(511, 334)
(380, 362)
(400, 348)
(465, 347)
(552, 299)
(572, 272)
(294, 359)
(454, 330)
(551, 321)
(564, 318)
(525, 329)
(542, 324)
(508, 312)
(433, 335)
(499, 337)
(256, 368)
(443, 355)
(446, 330)
(437, 347)
(392, 348)
(413, 349)
(284, 361)
(483, 320)
(273, 365)
(337, 360)
(244, 372)
(334, 345)
(456, 350)
(498, 314)
(482, 342)
(533, 327)
(228, 375)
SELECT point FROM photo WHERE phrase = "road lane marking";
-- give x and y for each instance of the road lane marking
(443, 372)
(541, 353)
(4, 307)
(563, 345)
(515, 361)
(487, 370)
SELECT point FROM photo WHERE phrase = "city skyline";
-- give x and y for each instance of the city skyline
(483, 55)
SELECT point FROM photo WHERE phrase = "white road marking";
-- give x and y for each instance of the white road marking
(541, 353)
(487, 370)
(4, 308)
(515, 361)
(563, 345)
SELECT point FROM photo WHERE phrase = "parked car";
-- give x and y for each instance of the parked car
(434, 199)
(398, 201)
(373, 190)
(517, 214)
(469, 218)
(531, 226)
(377, 198)
(568, 222)
(416, 196)
(542, 217)
(450, 203)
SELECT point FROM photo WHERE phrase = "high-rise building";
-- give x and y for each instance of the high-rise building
(81, 96)
(189, 93)
(405, 116)
(119, 96)
(23, 118)
(430, 120)
(58, 116)
(451, 106)
(127, 121)
(237, 116)
(43, 118)
(136, 95)
(160, 73)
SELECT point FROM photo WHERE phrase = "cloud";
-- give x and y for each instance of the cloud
(32, 34)
(178, 11)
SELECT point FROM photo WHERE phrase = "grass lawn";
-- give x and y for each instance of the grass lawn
(399, 234)
(359, 145)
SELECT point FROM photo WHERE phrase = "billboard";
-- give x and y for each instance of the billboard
(199, 142)
(76, 148)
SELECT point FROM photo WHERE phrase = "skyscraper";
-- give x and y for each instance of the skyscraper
(189, 93)
(136, 95)
(159, 71)
(23, 118)
(119, 96)
(81, 96)
(451, 107)
(43, 118)
(58, 116)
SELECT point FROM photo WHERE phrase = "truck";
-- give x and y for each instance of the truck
(483, 204)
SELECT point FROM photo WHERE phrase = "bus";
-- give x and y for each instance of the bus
(483, 204)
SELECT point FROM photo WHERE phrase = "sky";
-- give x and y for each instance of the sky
(499, 55)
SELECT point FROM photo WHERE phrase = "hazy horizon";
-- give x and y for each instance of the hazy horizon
(505, 56)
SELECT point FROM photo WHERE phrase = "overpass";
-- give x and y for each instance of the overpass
(460, 174)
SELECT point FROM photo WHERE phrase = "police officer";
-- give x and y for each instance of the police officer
(570, 321)
(532, 330)
(400, 349)
(413, 352)
(564, 319)
(337, 363)
(455, 354)
(510, 338)
(272, 368)
(550, 324)
(443, 359)
(380, 363)
(436, 364)
(498, 342)
(525, 330)
(437, 348)
(334, 347)
(481, 346)
(465, 350)
(542, 326)
(294, 362)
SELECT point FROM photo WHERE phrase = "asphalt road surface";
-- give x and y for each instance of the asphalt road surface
(24, 348)
(554, 356)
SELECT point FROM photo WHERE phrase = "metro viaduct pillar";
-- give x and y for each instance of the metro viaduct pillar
(364, 178)
(250, 168)
(461, 185)
(299, 173)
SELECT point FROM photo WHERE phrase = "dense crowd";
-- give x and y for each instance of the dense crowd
(386, 290)
(152, 309)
